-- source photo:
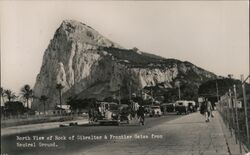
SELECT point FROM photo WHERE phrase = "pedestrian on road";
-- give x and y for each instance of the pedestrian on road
(211, 109)
(134, 108)
(140, 114)
(208, 110)
(91, 116)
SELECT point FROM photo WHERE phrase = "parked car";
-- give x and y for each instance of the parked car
(181, 107)
(168, 107)
(155, 111)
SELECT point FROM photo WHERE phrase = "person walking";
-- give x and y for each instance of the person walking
(208, 110)
(211, 108)
(140, 114)
(91, 115)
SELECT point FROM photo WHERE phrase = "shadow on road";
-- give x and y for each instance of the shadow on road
(109, 124)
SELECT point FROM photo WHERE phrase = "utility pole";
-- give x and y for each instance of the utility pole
(60, 93)
(179, 91)
(232, 113)
(237, 118)
(119, 93)
(130, 90)
(245, 108)
(217, 90)
(152, 96)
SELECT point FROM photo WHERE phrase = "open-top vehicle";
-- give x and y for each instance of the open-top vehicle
(108, 113)
(124, 111)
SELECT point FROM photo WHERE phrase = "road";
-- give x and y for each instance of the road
(167, 135)
(77, 146)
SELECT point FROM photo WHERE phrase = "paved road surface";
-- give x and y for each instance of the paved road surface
(67, 147)
(172, 134)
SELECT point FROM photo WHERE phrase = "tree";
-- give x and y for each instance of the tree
(2, 94)
(111, 99)
(59, 87)
(14, 108)
(10, 95)
(79, 104)
(135, 49)
(43, 99)
(27, 93)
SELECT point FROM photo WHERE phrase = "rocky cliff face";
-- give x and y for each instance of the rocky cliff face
(89, 65)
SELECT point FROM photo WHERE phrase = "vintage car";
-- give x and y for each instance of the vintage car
(124, 111)
(147, 109)
(108, 113)
(168, 107)
(181, 107)
(192, 107)
(155, 111)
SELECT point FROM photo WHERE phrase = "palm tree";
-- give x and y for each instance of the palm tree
(2, 93)
(59, 87)
(27, 93)
(10, 95)
(43, 99)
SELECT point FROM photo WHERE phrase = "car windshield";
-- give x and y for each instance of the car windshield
(180, 103)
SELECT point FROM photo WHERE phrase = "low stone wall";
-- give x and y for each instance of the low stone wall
(37, 119)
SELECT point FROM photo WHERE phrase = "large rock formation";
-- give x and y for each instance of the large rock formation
(89, 65)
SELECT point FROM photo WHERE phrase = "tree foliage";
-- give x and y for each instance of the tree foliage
(79, 104)
(43, 99)
(2, 94)
(59, 87)
(209, 88)
(27, 93)
(9, 94)
(14, 108)
(111, 99)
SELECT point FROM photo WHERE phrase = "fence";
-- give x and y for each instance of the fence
(235, 111)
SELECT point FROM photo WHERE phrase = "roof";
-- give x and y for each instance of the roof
(65, 107)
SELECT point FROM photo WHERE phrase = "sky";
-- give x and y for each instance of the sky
(213, 35)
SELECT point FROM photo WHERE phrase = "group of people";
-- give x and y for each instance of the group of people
(93, 113)
(206, 109)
